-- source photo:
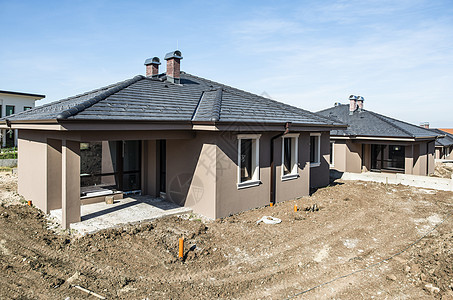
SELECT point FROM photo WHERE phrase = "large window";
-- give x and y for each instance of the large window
(248, 160)
(289, 156)
(388, 157)
(9, 110)
(315, 149)
(110, 165)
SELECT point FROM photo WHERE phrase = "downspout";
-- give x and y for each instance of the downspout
(273, 183)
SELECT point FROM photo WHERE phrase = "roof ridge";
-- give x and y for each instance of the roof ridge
(87, 103)
(418, 127)
(217, 105)
(383, 119)
(198, 106)
(65, 99)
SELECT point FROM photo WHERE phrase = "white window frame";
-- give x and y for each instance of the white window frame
(255, 181)
(317, 162)
(332, 154)
(294, 156)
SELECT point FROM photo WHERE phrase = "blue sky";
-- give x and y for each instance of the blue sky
(397, 54)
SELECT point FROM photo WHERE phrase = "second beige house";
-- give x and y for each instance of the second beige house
(377, 143)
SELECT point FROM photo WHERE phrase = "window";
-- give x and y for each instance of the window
(9, 110)
(248, 160)
(315, 148)
(388, 157)
(331, 158)
(1, 111)
(27, 108)
(289, 156)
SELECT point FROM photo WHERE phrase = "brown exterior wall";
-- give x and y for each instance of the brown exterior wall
(191, 173)
(232, 200)
(32, 169)
(317, 174)
(339, 156)
(201, 170)
(348, 156)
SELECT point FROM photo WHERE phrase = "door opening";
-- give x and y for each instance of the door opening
(163, 167)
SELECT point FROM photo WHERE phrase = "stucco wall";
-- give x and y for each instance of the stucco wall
(32, 168)
(19, 102)
(232, 200)
(339, 155)
(353, 157)
(319, 176)
(431, 163)
(191, 173)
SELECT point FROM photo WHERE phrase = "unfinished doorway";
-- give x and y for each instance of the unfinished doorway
(162, 159)
(110, 165)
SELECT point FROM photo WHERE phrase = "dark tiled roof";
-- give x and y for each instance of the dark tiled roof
(444, 141)
(195, 99)
(368, 123)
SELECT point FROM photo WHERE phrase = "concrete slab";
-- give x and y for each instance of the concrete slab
(134, 209)
(443, 184)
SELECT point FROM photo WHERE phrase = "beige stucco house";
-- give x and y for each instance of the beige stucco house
(11, 103)
(198, 143)
(373, 142)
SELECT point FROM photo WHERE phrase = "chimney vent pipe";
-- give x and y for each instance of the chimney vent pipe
(152, 67)
(174, 66)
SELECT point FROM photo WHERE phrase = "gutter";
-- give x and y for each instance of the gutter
(273, 183)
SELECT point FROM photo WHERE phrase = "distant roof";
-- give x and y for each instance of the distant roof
(22, 94)
(371, 124)
(449, 130)
(194, 99)
(444, 141)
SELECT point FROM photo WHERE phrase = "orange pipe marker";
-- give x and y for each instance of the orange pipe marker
(29, 203)
(181, 248)
(295, 207)
(272, 204)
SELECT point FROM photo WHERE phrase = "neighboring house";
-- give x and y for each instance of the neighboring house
(444, 145)
(373, 142)
(11, 103)
(198, 143)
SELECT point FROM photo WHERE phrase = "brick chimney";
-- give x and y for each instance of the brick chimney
(152, 67)
(173, 66)
(360, 100)
(425, 125)
(352, 104)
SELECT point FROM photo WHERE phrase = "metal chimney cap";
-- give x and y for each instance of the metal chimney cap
(173, 54)
(152, 61)
(360, 98)
(352, 97)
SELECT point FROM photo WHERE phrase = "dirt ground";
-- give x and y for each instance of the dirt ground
(357, 225)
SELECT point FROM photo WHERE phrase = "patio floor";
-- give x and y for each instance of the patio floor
(133, 209)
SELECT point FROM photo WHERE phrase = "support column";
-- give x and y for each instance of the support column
(409, 159)
(70, 182)
(54, 166)
(16, 133)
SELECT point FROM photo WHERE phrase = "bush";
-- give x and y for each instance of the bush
(8, 155)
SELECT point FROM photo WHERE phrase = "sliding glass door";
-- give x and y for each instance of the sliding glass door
(111, 165)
